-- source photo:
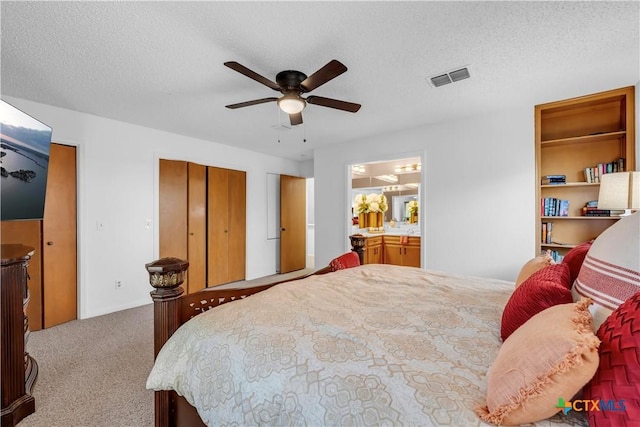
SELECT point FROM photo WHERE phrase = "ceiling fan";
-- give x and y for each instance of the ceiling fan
(292, 84)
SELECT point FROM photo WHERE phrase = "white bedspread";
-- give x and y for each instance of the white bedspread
(372, 345)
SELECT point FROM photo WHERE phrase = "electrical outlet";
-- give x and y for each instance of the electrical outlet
(119, 284)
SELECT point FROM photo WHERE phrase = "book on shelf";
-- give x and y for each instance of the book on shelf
(564, 208)
(555, 255)
(551, 206)
(594, 211)
(547, 230)
(553, 180)
(593, 174)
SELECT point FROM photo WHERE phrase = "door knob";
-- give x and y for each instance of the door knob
(283, 229)
(49, 243)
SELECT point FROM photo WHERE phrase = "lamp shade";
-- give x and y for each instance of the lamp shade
(291, 104)
(619, 190)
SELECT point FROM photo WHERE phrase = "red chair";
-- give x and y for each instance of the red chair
(348, 260)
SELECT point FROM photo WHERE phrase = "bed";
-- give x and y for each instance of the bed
(368, 345)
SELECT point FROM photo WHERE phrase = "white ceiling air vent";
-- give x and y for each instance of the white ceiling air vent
(450, 77)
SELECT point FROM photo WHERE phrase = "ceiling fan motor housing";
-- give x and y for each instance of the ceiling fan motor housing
(290, 80)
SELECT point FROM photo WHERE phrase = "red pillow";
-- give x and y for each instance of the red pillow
(618, 376)
(543, 289)
(575, 257)
(348, 260)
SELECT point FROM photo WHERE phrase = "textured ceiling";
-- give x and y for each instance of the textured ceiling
(160, 64)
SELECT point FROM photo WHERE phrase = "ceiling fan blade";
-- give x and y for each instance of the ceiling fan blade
(252, 74)
(249, 103)
(333, 103)
(295, 119)
(330, 71)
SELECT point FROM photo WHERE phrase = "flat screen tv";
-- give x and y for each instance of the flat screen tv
(24, 156)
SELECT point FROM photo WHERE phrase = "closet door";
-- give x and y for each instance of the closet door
(59, 265)
(217, 226)
(173, 210)
(293, 220)
(237, 219)
(226, 225)
(197, 225)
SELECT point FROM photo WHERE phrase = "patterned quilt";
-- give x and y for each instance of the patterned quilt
(371, 345)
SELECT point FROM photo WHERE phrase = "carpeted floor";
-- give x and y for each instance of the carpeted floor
(92, 372)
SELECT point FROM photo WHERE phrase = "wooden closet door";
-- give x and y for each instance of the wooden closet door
(173, 209)
(293, 228)
(197, 224)
(217, 226)
(237, 224)
(59, 248)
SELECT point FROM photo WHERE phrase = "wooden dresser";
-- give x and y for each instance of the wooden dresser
(18, 370)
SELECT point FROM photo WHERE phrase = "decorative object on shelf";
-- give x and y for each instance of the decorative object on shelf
(413, 211)
(370, 209)
(375, 230)
(620, 190)
(361, 206)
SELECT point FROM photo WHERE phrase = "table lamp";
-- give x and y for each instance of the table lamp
(620, 190)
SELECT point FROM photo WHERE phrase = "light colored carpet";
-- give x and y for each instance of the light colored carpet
(92, 372)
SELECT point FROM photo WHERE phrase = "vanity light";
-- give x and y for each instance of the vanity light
(408, 168)
(359, 169)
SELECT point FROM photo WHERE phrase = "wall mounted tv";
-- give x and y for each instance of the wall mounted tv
(24, 157)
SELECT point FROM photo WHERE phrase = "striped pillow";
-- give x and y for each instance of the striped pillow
(610, 273)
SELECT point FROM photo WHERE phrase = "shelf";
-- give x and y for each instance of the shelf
(570, 136)
(579, 217)
(571, 184)
(581, 139)
(557, 245)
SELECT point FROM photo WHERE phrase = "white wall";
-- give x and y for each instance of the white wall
(118, 188)
(478, 193)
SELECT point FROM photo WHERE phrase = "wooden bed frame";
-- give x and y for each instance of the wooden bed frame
(171, 308)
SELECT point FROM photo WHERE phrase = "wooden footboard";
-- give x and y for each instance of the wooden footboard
(172, 309)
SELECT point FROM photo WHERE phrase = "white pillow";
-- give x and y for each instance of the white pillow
(610, 273)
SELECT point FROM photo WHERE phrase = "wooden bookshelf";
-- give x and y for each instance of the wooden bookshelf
(571, 135)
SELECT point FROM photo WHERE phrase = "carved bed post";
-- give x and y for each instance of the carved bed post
(357, 244)
(165, 275)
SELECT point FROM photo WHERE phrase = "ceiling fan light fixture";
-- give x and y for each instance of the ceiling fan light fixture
(291, 104)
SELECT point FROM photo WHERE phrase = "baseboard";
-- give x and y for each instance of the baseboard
(112, 309)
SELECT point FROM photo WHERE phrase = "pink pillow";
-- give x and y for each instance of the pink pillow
(348, 260)
(554, 354)
(618, 376)
(533, 265)
(575, 257)
(543, 289)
